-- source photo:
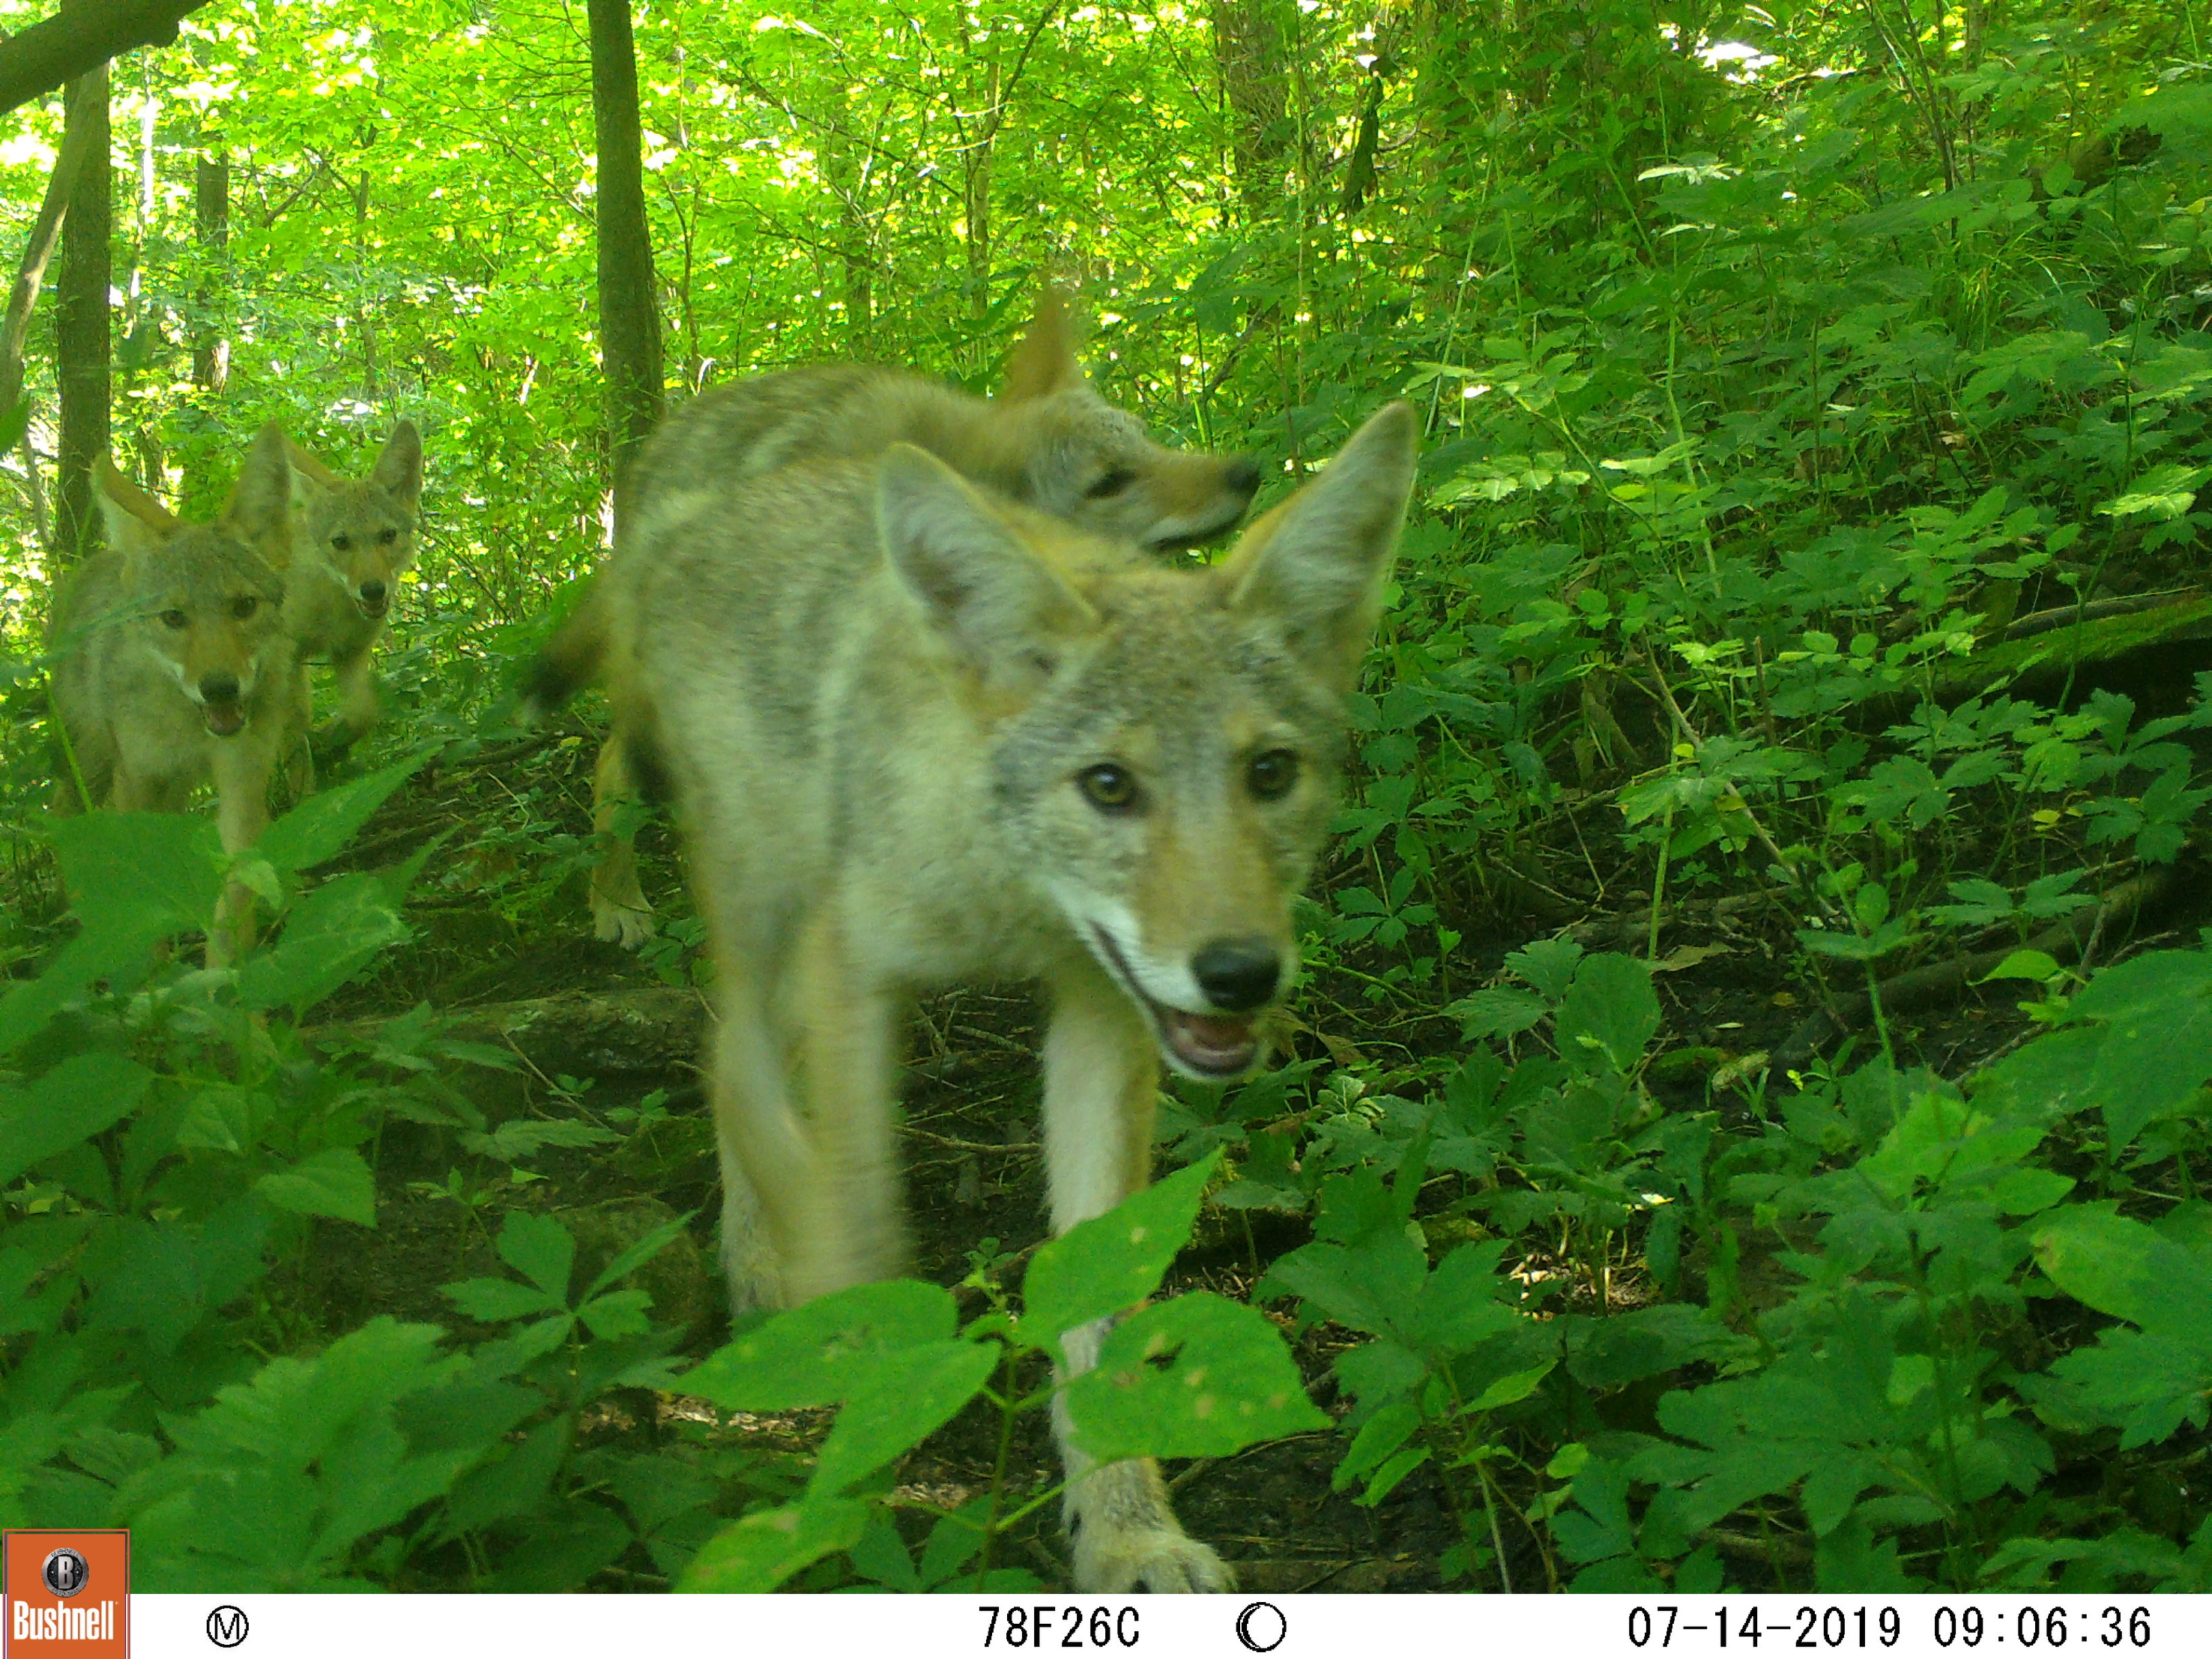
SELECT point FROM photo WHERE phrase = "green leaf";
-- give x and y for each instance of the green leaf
(143, 874)
(762, 1551)
(1198, 1377)
(493, 1300)
(70, 1104)
(2036, 965)
(333, 1182)
(1381, 1435)
(1610, 1010)
(541, 1249)
(1113, 1260)
(271, 1487)
(906, 1395)
(639, 1253)
(329, 936)
(320, 826)
(823, 1353)
(2126, 1270)
(1512, 1389)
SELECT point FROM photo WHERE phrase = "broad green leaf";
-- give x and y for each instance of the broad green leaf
(541, 1249)
(823, 1353)
(493, 1300)
(1610, 1010)
(271, 1487)
(320, 826)
(74, 1102)
(1113, 1260)
(1381, 1435)
(333, 1182)
(760, 1551)
(145, 874)
(637, 1255)
(2126, 1270)
(906, 1395)
(1198, 1377)
(329, 936)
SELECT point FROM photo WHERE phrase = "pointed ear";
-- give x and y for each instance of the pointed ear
(1002, 609)
(399, 467)
(1044, 362)
(136, 522)
(1319, 562)
(259, 508)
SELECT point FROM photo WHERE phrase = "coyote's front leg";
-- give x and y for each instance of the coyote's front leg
(1101, 1075)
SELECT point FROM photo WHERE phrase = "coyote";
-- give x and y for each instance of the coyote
(918, 735)
(1047, 439)
(343, 544)
(175, 666)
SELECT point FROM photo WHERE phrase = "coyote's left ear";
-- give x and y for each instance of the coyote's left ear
(1044, 362)
(1319, 562)
(400, 466)
(259, 508)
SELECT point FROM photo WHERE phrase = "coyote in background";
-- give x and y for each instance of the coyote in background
(175, 666)
(343, 544)
(919, 735)
(1047, 439)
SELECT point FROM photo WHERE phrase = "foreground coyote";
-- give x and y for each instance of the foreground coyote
(918, 735)
(175, 666)
(343, 544)
(1048, 440)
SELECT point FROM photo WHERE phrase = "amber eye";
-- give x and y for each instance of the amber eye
(243, 608)
(1109, 788)
(342, 541)
(385, 538)
(1112, 484)
(174, 619)
(1270, 776)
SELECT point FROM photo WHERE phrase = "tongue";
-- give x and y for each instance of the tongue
(225, 719)
(1221, 1045)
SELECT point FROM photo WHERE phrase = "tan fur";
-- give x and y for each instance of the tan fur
(170, 635)
(343, 544)
(899, 716)
(1047, 439)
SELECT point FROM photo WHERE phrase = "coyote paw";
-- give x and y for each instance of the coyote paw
(626, 927)
(1112, 1561)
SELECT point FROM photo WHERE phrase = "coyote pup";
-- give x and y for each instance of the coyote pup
(1048, 440)
(175, 667)
(918, 735)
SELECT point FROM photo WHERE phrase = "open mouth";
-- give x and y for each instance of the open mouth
(1205, 1045)
(225, 719)
(374, 610)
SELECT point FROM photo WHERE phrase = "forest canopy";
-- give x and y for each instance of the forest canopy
(1753, 1006)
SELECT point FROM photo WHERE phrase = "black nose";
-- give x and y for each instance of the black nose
(372, 592)
(218, 687)
(1237, 973)
(1243, 475)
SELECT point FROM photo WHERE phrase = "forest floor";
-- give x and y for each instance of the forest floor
(596, 1033)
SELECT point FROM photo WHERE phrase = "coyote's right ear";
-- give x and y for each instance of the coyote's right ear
(259, 508)
(1319, 561)
(1002, 609)
(1044, 362)
(137, 524)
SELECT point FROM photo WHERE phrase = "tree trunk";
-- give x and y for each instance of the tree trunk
(23, 298)
(846, 170)
(1248, 48)
(975, 194)
(80, 39)
(81, 318)
(629, 317)
(211, 219)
